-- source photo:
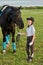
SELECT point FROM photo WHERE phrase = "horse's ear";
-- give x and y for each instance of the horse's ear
(20, 7)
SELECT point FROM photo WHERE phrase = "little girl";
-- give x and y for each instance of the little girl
(30, 33)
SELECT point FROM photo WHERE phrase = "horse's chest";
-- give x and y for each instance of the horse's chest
(11, 26)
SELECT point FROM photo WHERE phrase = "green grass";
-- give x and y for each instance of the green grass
(20, 57)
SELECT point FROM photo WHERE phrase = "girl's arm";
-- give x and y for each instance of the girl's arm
(22, 33)
(31, 43)
(33, 38)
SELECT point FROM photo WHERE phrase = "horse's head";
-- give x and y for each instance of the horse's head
(12, 14)
(16, 17)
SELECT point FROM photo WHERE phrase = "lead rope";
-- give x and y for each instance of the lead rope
(18, 35)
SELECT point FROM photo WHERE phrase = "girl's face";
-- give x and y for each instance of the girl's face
(29, 22)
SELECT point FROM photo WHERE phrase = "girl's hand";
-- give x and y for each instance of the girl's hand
(31, 43)
(19, 33)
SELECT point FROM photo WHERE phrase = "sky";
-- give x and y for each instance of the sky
(22, 2)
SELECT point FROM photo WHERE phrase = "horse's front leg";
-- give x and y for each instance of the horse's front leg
(13, 42)
(8, 39)
(4, 41)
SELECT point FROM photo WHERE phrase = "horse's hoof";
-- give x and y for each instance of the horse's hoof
(4, 51)
(14, 52)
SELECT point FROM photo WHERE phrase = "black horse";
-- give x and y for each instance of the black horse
(9, 17)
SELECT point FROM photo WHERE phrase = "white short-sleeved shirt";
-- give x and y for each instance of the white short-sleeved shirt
(30, 30)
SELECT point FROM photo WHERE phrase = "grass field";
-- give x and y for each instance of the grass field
(20, 57)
